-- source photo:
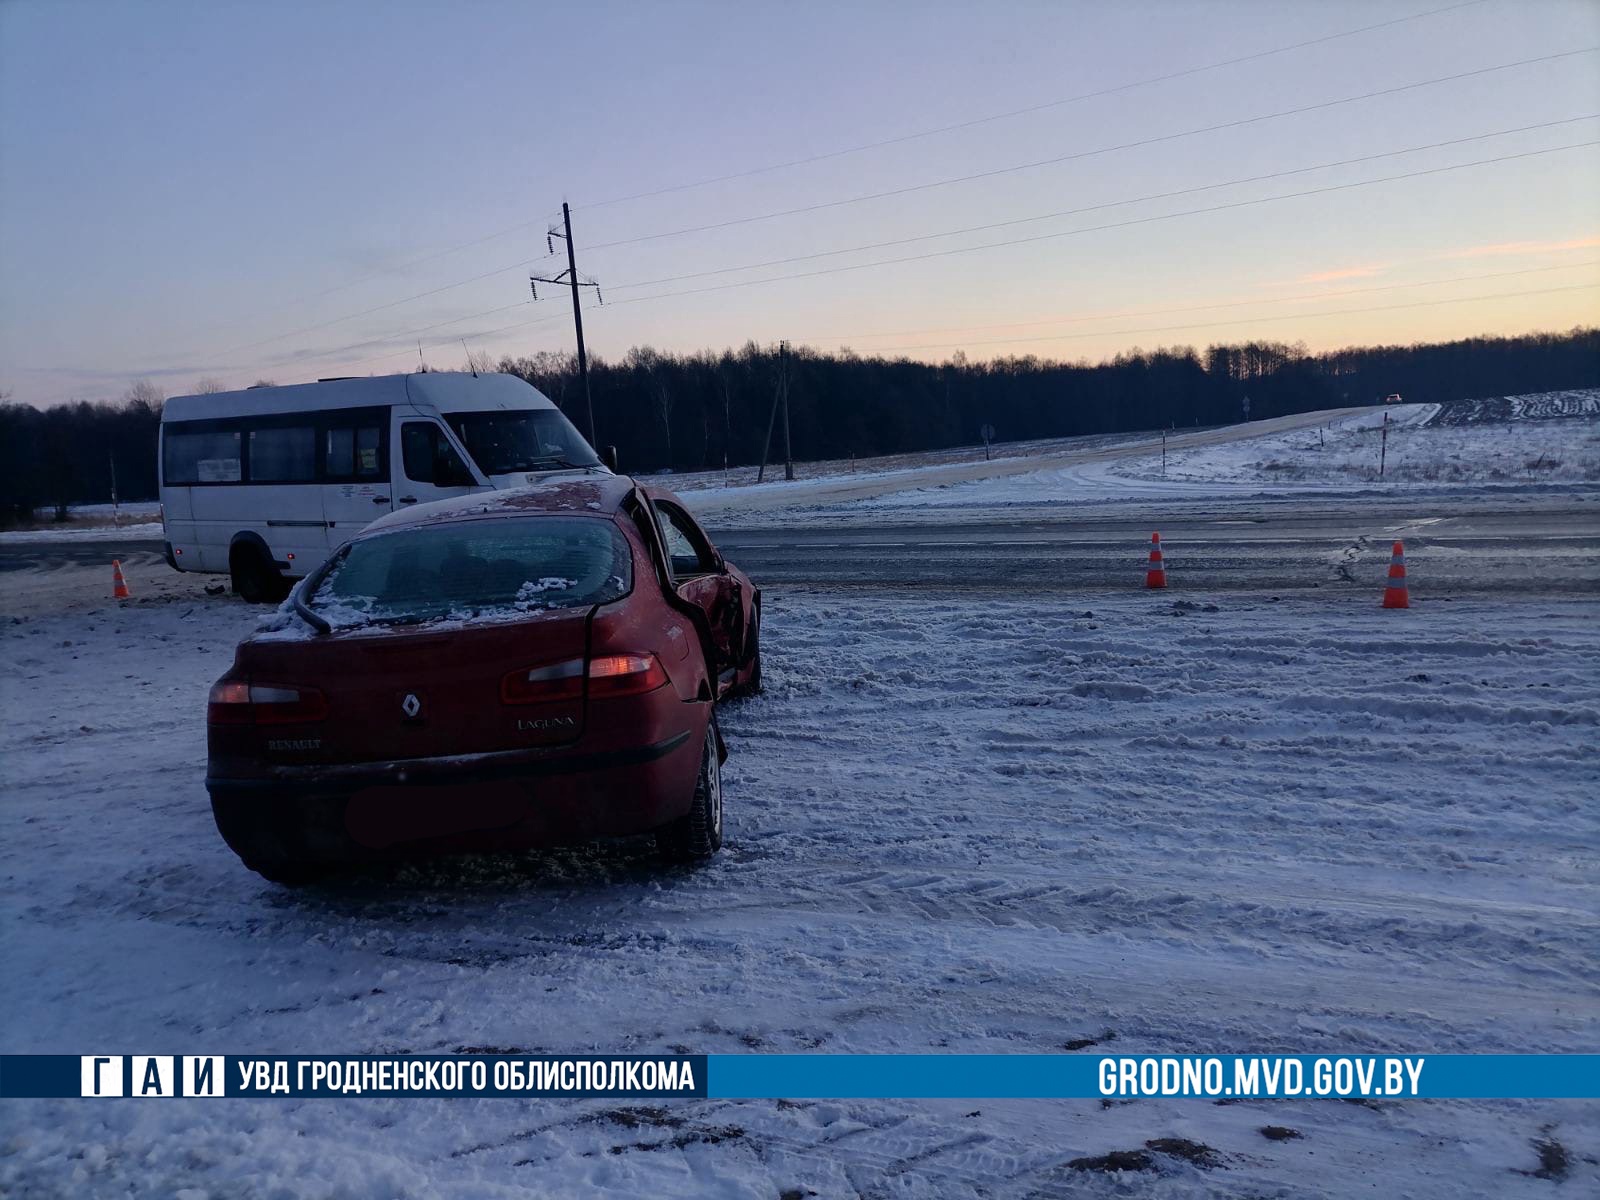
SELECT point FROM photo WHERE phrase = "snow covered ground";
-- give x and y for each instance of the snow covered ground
(1420, 449)
(957, 823)
(46, 534)
(92, 522)
(1513, 443)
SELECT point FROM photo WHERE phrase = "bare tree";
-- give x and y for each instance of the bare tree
(480, 362)
(209, 386)
(144, 394)
(661, 393)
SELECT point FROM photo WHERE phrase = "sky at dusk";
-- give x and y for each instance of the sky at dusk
(288, 191)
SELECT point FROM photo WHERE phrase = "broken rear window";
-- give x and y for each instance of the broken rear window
(471, 568)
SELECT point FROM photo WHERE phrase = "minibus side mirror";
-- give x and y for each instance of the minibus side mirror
(608, 456)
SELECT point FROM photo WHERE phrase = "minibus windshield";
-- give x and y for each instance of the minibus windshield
(502, 442)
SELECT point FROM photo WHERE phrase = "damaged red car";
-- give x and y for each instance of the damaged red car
(496, 672)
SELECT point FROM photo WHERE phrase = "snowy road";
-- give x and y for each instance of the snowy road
(1182, 822)
(1458, 545)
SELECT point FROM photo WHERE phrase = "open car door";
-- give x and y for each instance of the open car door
(699, 576)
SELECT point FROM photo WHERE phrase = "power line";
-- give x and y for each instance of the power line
(480, 335)
(1080, 154)
(907, 137)
(412, 333)
(1045, 237)
(522, 263)
(1033, 108)
(1069, 212)
(993, 245)
(1340, 312)
(1154, 312)
(1094, 316)
(367, 312)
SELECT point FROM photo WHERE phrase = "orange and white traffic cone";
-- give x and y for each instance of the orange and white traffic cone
(119, 585)
(1396, 595)
(1156, 575)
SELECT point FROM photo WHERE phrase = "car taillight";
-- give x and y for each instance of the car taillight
(544, 685)
(625, 674)
(609, 675)
(235, 702)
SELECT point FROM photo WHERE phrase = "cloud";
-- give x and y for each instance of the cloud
(1502, 249)
(1343, 273)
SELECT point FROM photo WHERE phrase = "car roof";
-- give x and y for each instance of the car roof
(591, 494)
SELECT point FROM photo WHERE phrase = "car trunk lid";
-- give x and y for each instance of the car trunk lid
(403, 692)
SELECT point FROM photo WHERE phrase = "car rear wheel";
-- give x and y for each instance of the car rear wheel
(263, 843)
(254, 579)
(287, 872)
(697, 835)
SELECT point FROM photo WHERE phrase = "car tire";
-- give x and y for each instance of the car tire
(264, 844)
(287, 872)
(697, 835)
(254, 580)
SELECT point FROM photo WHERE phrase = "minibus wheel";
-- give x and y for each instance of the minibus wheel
(254, 580)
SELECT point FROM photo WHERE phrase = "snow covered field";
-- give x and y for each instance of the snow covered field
(1421, 449)
(1528, 441)
(92, 522)
(958, 823)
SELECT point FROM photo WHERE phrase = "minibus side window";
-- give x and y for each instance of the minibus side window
(354, 453)
(285, 455)
(211, 456)
(429, 458)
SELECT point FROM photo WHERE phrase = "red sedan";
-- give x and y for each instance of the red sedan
(495, 672)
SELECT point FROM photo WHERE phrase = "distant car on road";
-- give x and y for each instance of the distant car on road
(494, 672)
(1392, 398)
(264, 484)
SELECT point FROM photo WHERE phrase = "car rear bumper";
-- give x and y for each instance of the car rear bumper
(504, 801)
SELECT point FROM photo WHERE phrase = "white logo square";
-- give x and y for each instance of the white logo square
(203, 1075)
(100, 1075)
(154, 1075)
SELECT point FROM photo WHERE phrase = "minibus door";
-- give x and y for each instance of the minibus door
(356, 487)
(428, 463)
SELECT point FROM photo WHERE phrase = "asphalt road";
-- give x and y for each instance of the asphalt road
(1454, 545)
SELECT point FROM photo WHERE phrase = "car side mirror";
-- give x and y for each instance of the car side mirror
(608, 459)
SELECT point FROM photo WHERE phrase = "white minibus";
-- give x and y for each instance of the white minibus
(265, 483)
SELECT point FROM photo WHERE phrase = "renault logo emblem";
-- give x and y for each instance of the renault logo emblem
(411, 706)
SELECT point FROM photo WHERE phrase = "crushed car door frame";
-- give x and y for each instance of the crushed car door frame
(704, 582)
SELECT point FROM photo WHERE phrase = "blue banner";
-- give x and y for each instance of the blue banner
(816, 1076)
(1067, 1076)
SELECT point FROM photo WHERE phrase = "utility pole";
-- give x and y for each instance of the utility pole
(783, 377)
(772, 419)
(570, 276)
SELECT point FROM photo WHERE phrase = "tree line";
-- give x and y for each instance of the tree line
(701, 411)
